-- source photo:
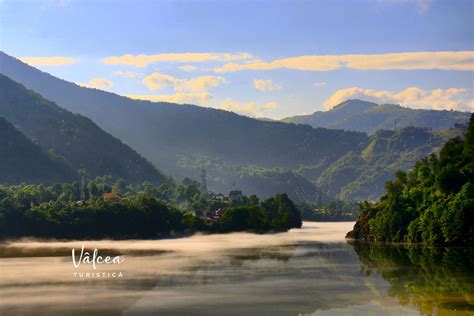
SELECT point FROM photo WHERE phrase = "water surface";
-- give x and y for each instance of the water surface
(308, 271)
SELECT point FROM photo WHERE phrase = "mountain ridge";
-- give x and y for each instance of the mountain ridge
(368, 117)
(76, 138)
(165, 132)
(261, 157)
(361, 175)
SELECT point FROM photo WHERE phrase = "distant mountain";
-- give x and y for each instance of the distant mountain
(261, 157)
(74, 137)
(363, 116)
(166, 133)
(24, 161)
(265, 181)
(362, 174)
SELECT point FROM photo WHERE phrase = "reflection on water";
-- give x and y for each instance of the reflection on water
(310, 271)
(433, 279)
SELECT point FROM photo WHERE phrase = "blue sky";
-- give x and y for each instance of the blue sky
(290, 57)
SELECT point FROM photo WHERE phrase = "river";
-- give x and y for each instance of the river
(307, 271)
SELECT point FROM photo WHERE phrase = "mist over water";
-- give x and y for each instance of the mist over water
(308, 271)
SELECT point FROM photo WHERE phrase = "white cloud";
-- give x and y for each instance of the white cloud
(159, 80)
(125, 74)
(49, 61)
(313, 63)
(204, 98)
(145, 60)
(199, 98)
(319, 84)
(460, 60)
(265, 85)
(413, 97)
(192, 91)
(248, 108)
(188, 68)
(201, 83)
(270, 106)
(97, 83)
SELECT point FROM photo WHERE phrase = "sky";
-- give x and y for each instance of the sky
(258, 58)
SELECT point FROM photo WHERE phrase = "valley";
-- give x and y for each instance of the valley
(260, 157)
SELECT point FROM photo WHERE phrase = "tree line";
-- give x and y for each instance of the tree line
(433, 203)
(139, 211)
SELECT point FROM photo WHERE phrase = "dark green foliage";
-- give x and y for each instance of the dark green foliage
(363, 116)
(433, 203)
(276, 213)
(450, 178)
(239, 218)
(74, 137)
(437, 280)
(282, 212)
(361, 175)
(469, 141)
(24, 161)
(140, 217)
(141, 211)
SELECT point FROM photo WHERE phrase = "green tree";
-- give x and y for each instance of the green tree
(433, 204)
(120, 186)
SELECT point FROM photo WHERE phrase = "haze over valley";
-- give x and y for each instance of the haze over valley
(259, 157)
(244, 157)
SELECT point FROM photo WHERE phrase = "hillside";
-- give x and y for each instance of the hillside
(431, 204)
(166, 133)
(363, 116)
(74, 137)
(261, 157)
(362, 175)
(25, 162)
(265, 181)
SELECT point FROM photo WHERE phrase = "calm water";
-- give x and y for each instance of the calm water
(309, 271)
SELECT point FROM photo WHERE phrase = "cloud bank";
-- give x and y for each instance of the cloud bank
(248, 108)
(159, 80)
(144, 60)
(200, 98)
(413, 97)
(97, 83)
(460, 60)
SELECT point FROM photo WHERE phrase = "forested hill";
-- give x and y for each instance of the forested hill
(261, 157)
(24, 161)
(363, 116)
(432, 204)
(362, 175)
(165, 133)
(156, 128)
(74, 137)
